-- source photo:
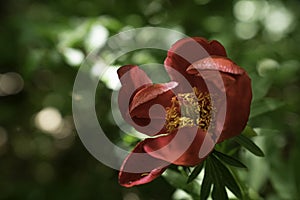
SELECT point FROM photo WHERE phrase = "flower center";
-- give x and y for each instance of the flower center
(189, 109)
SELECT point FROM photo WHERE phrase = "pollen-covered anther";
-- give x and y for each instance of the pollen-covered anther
(190, 109)
(185, 121)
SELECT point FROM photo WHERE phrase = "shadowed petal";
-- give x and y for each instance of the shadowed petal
(138, 95)
(149, 93)
(181, 148)
(196, 48)
(140, 168)
(239, 96)
(223, 75)
(147, 108)
(187, 51)
(216, 48)
(132, 79)
(132, 76)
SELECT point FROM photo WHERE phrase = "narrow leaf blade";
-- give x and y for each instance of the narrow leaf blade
(205, 186)
(249, 132)
(249, 144)
(228, 178)
(216, 176)
(219, 193)
(195, 173)
(229, 160)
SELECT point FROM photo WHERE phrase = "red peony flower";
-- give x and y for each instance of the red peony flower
(207, 101)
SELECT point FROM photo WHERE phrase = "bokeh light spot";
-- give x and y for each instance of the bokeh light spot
(266, 66)
(49, 120)
(74, 57)
(246, 30)
(278, 20)
(96, 38)
(110, 78)
(244, 10)
(10, 83)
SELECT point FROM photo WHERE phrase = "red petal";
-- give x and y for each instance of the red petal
(215, 63)
(132, 75)
(196, 48)
(189, 50)
(149, 118)
(150, 92)
(138, 95)
(181, 148)
(239, 96)
(132, 79)
(217, 49)
(223, 75)
(140, 168)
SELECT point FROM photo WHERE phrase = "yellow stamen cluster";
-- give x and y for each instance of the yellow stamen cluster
(189, 109)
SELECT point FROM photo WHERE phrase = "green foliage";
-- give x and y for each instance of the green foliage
(248, 144)
(178, 180)
(264, 106)
(229, 159)
(195, 173)
(221, 177)
(216, 176)
(205, 185)
(38, 40)
(249, 132)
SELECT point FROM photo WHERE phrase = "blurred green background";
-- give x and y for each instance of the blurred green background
(42, 44)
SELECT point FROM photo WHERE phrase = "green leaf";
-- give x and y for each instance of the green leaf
(205, 186)
(249, 132)
(264, 106)
(178, 180)
(249, 144)
(219, 193)
(195, 173)
(229, 160)
(227, 178)
(212, 169)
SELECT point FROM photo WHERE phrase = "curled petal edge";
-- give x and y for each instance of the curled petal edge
(150, 92)
(141, 161)
(134, 75)
(215, 63)
(212, 47)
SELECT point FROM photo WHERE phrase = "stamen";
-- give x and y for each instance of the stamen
(190, 109)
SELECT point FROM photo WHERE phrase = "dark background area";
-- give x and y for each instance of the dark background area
(42, 44)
